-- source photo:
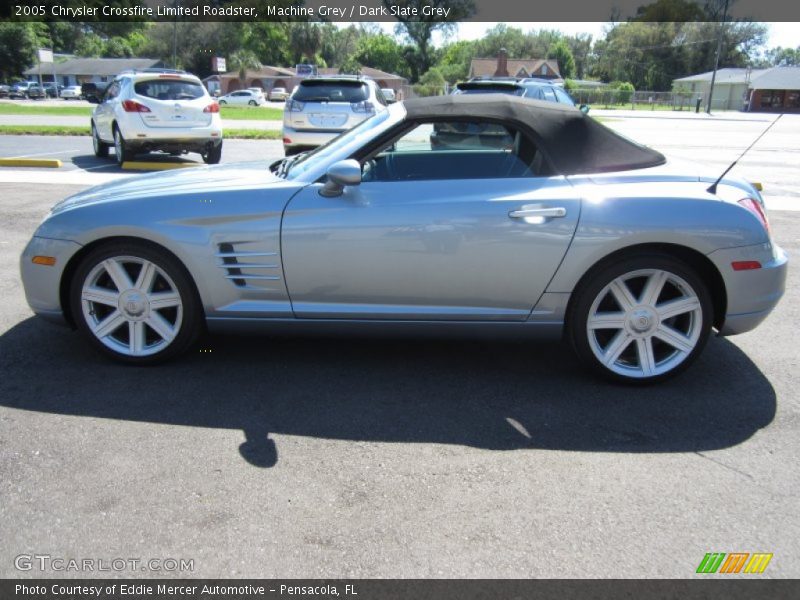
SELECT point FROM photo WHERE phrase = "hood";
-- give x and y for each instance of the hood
(203, 180)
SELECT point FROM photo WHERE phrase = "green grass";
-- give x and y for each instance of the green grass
(251, 113)
(32, 109)
(244, 134)
(238, 113)
(252, 134)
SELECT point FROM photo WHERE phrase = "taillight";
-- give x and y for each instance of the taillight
(211, 108)
(134, 106)
(754, 206)
(295, 106)
(362, 107)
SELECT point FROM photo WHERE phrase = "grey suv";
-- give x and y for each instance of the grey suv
(320, 108)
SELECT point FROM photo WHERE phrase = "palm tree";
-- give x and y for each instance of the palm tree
(243, 61)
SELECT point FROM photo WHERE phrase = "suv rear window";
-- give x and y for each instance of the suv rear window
(331, 91)
(169, 89)
(489, 88)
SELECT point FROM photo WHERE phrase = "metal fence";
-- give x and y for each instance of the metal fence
(605, 98)
(608, 98)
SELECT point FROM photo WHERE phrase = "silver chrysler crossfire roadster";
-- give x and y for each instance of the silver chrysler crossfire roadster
(485, 214)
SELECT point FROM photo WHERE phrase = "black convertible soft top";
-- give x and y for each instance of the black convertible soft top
(574, 142)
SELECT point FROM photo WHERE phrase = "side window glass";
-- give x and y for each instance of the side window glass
(112, 92)
(549, 95)
(563, 97)
(445, 150)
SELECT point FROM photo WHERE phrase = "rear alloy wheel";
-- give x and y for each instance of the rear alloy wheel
(641, 320)
(100, 147)
(121, 150)
(213, 155)
(135, 303)
(253, 103)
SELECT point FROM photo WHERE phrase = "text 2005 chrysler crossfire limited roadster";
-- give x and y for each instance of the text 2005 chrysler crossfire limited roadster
(480, 214)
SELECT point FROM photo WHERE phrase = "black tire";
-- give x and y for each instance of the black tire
(191, 322)
(121, 150)
(643, 322)
(253, 103)
(213, 155)
(223, 102)
(100, 147)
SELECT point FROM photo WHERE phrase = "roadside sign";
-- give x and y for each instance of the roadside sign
(45, 55)
(218, 64)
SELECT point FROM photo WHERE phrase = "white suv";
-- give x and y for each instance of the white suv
(320, 108)
(156, 109)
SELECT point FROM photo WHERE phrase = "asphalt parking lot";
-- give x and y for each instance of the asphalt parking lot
(273, 457)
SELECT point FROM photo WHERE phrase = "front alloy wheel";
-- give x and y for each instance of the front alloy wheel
(135, 303)
(642, 320)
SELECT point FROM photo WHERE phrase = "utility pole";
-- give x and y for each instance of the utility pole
(175, 37)
(716, 58)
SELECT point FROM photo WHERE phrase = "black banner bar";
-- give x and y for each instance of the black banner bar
(709, 588)
(381, 10)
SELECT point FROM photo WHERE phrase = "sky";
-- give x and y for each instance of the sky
(781, 34)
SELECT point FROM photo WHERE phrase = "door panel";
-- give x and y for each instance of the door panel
(426, 250)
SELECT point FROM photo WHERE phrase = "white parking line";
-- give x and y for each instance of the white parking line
(43, 154)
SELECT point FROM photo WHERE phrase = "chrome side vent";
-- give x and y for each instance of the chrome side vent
(249, 269)
(228, 257)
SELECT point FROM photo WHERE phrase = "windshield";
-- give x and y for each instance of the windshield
(294, 166)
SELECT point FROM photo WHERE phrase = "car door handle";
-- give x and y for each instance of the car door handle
(552, 212)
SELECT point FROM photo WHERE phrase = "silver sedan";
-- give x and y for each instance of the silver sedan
(463, 215)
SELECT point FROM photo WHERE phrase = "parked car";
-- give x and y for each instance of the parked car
(35, 92)
(320, 108)
(535, 89)
(278, 94)
(92, 90)
(243, 98)
(389, 94)
(574, 231)
(52, 90)
(156, 110)
(71, 92)
(20, 88)
(5, 89)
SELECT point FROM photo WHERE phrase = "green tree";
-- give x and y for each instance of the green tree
(455, 60)
(380, 52)
(563, 55)
(784, 57)
(243, 61)
(350, 66)
(581, 47)
(117, 47)
(420, 32)
(91, 45)
(18, 46)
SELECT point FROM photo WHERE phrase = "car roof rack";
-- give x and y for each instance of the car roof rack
(155, 70)
(493, 78)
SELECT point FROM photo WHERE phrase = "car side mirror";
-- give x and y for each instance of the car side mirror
(341, 174)
(584, 108)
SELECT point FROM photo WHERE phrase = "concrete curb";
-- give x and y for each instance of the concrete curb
(30, 162)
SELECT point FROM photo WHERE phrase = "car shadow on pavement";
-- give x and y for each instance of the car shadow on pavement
(89, 162)
(493, 395)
